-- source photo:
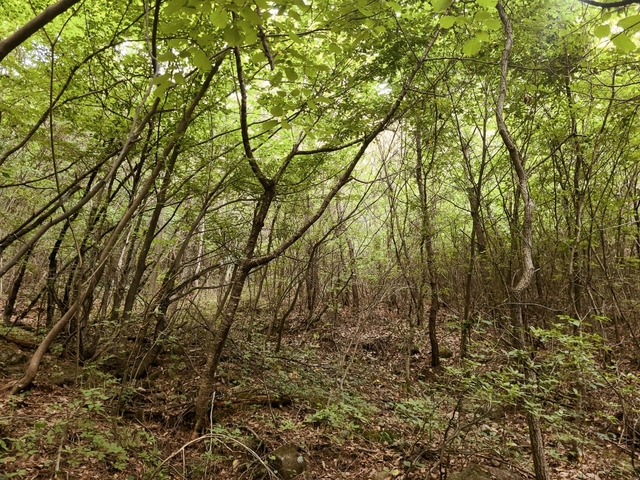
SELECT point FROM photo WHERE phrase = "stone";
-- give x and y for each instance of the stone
(288, 461)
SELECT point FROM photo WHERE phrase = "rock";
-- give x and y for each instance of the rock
(483, 472)
(384, 475)
(288, 461)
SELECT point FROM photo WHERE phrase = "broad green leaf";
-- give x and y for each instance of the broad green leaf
(276, 79)
(219, 18)
(162, 88)
(251, 16)
(269, 124)
(249, 30)
(173, 6)
(483, 36)
(447, 21)
(395, 6)
(277, 111)
(623, 43)
(294, 37)
(166, 56)
(440, 5)
(471, 47)
(258, 57)
(487, 4)
(482, 15)
(200, 59)
(629, 22)
(293, 14)
(291, 74)
(492, 23)
(232, 36)
(602, 31)
(179, 78)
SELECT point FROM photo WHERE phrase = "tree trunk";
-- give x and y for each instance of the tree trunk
(9, 307)
(518, 331)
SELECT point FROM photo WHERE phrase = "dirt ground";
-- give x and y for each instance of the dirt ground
(336, 393)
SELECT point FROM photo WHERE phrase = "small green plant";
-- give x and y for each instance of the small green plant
(350, 413)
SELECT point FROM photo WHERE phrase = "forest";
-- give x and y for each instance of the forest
(277, 239)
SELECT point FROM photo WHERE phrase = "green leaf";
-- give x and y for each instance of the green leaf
(291, 74)
(295, 15)
(602, 31)
(471, 47)
(482, 15)
(447, 21)
(487, 4)
(492, 23)
(219, 18)
(173, 6)
(440, 5)
(179, 78)
(166, 56)
(629, 22)
(250, 33)
(623, 43)
(161, 88)
(251, 16)
(395, 6)
(200, 59)
(277, 111)
(233, 36)
(269, 124)
(335, 48)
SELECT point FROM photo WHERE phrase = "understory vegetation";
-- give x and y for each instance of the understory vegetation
(254, 239)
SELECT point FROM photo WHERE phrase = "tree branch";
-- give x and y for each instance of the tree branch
(621, 3)
(32, 26)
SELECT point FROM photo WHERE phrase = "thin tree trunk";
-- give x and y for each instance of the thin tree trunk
(9, 307)
(535, 429)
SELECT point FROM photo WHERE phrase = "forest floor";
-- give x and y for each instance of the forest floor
(336, 392)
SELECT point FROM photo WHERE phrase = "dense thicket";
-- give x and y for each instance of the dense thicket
(169, 168)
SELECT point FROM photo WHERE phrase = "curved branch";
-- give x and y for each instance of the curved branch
(621, 3)
(516, 159)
